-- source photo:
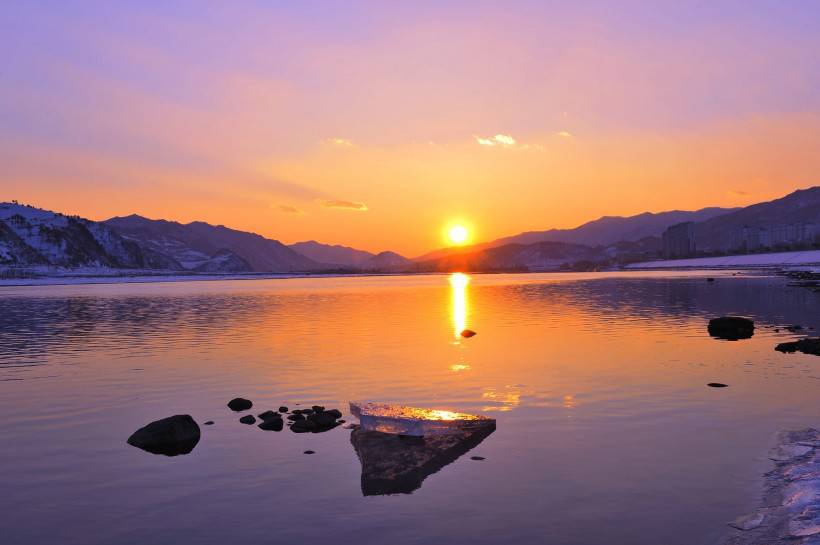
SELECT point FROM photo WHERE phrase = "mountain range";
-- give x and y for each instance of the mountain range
(31, 237)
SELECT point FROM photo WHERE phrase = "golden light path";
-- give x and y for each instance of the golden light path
(458, 286)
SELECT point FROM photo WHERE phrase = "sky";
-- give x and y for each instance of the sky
(378, 124)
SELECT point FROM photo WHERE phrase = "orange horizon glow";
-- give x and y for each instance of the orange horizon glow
(372, 136)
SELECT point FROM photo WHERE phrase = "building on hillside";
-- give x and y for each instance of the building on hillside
(679, 240)
(752, 238)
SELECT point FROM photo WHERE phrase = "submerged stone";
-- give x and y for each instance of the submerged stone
(170, 436)
(731, 328)
(240, 404)
(750, 522)
(248, 419)
(310, 452)
(209, 423)
(717, 385)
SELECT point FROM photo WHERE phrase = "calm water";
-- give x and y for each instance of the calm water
(606, 431)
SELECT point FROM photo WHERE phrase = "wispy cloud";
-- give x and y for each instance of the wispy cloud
(340, 142)
(564, 134)
(288, 209)
(504, 140)
(344, 205)
(738, 193)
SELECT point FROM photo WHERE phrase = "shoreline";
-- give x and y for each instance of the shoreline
(789, 510)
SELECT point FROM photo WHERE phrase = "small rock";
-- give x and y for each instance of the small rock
(318, 408)
(267, 415)
(296, 411)
(209, 423)
(717, 385)
(335, 413)
(731, 328)
(295, 417)
(272, 424)
(477, 458)
(240, 404)
(307, 411)
(283, 409)
(710, 279)
(302, 426)
(794, 328)
(750, 522)
(310, 452)
(170, 436)
(248, 419)
(467, 333)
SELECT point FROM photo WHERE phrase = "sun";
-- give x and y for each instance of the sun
(458, 234)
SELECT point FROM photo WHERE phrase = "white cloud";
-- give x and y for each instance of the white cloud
(340, 142)
(504, 140)
(288, 209)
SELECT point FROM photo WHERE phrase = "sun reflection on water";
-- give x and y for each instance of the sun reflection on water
(458, 285)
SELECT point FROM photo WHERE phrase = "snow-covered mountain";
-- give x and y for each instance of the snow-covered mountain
(31, 236)
(201, 246)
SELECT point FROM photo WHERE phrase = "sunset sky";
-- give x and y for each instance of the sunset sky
(377, 125)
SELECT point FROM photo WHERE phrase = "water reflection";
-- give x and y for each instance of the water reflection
(458, 287)
(398, 464)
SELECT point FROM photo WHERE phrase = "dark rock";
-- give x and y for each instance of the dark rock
(335, 413)
(209, 423)
(307, 411)
(267, 415)
(273, 424)
(295, 417)
(806, 346)
(248, 419)
(717, 385)
(240, 404)
(467, 333)
(794, 328)
(710, 279)
(302, 426)
(731, 328)
(283, 409)
(341, 421)
(477, 458)
(170, 436)
(310, 452)
(318, 408)
(323, 421)
(296, 411)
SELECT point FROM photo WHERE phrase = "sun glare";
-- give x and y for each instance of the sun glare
(458, 234)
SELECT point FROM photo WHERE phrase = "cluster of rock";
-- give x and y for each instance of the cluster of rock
(806, 346)
(790, 511)
(179, 434)
(317, 419)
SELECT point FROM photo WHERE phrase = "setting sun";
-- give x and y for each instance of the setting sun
(458, 234)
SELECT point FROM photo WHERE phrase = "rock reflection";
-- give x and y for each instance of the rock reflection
(398, 464)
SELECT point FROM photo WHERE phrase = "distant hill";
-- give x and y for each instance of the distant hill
(214, 248)
(32, 236)
(801, 206)
(387, 262)
(343, 256)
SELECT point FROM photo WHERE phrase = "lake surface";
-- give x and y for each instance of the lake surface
(606, 430)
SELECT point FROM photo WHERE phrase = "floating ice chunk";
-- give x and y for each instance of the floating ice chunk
(401, 420)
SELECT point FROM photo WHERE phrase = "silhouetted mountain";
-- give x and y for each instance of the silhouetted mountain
(205, 247)
(32, 236)
(802, 206)
(531, 257)
(342, 256)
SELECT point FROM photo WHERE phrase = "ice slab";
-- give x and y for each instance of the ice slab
(413, 421)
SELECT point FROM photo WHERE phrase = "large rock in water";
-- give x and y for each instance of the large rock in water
(807, 346)
(170, 436)
(731, 328)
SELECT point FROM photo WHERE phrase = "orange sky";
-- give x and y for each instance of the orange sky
(354, 124)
